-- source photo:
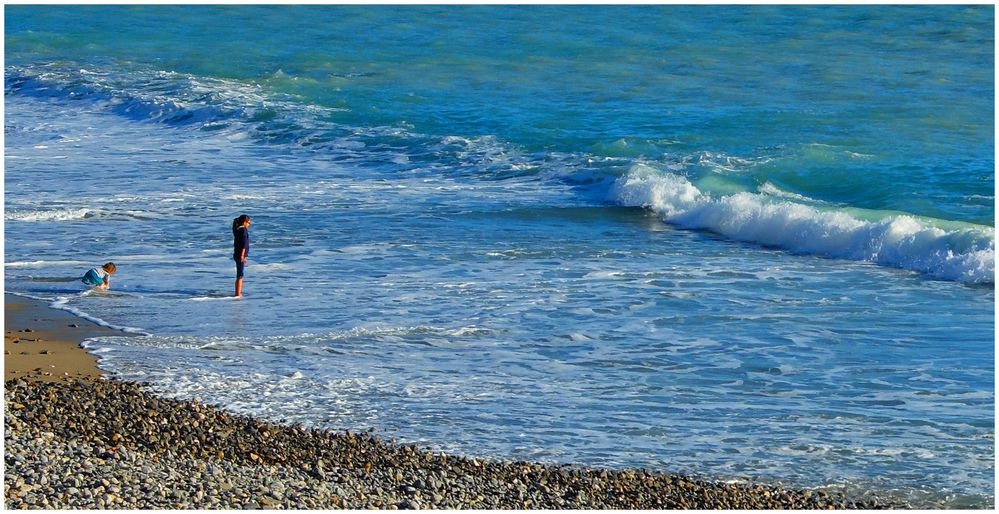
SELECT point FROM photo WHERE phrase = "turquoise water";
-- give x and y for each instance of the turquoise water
(743, 242)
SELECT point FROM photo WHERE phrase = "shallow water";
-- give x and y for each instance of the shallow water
(617, 243)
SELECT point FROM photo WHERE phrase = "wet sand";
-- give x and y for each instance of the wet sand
(43, 344)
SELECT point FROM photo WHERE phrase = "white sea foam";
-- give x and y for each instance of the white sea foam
(964, 254)
(768, 188)
(61, 303)
(603, 275)
(213, 298)
(49, 214)
(721, 162)
(272, 266)
(39, 263)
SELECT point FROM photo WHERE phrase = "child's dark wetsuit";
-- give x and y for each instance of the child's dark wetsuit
(240, 241)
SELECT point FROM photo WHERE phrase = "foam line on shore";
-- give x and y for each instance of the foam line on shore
(61, 303)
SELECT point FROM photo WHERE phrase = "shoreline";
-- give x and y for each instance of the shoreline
(78, 439)
(42, 343)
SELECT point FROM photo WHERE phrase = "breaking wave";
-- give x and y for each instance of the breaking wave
(939, 249)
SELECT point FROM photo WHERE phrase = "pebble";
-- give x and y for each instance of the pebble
(109, 444)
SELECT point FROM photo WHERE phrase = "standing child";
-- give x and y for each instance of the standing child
(100, 277)
(240, 248)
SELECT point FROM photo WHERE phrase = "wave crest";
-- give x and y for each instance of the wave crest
(964, 253)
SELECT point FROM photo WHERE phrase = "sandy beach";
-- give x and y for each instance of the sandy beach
(42, 343)
(76, 439)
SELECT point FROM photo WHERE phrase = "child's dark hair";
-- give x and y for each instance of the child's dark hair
(239, 222)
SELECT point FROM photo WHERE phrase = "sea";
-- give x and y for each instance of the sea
(744, 243)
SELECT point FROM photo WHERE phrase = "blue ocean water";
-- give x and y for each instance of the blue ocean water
(740, 242)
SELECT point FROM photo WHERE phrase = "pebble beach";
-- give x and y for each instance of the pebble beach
(108, 444)
(89, 442)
